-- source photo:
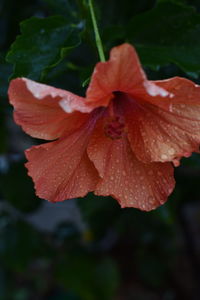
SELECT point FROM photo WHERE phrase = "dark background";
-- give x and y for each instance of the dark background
(91, 249)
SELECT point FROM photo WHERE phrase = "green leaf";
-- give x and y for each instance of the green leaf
(62, 7)
(43, 43)
(167, 34)
(6, 70)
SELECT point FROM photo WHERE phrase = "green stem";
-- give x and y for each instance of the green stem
(96, 32)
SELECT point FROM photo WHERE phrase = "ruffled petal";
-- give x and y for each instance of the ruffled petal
(61, 169)
(172, 90)
(122, 72)
(166, 132)
(43, 111)
(124, 177)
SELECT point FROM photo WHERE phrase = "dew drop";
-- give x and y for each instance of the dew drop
(150, 199)
(164, 156)
(143, 206)
(171, 151)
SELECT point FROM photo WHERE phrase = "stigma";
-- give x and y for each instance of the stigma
(114, 127)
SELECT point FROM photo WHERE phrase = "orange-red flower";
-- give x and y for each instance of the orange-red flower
(120, 140)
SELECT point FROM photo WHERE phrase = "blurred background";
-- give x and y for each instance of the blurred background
(91, 249)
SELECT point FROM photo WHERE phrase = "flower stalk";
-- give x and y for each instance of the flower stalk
(96, 32)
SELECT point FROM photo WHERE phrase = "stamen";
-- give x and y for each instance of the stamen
(111, 109)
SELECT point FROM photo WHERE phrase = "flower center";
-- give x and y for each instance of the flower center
(114, 127)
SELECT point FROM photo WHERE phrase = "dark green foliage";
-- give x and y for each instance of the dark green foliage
(17, 188)
(67, 8)
(20, 244)
(167, 34)
(98, 277)
(43, 43)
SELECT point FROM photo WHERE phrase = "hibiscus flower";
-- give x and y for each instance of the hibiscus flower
(119, 140)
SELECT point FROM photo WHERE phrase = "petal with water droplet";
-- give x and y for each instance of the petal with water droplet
(122, 72)
(38, 110)
(61, 169)
(160, 134)
(121, 180)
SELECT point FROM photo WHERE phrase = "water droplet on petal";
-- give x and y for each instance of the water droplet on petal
(143, 206)
(171, 151)
(176, 162)
(150, 199)
(164, 156)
